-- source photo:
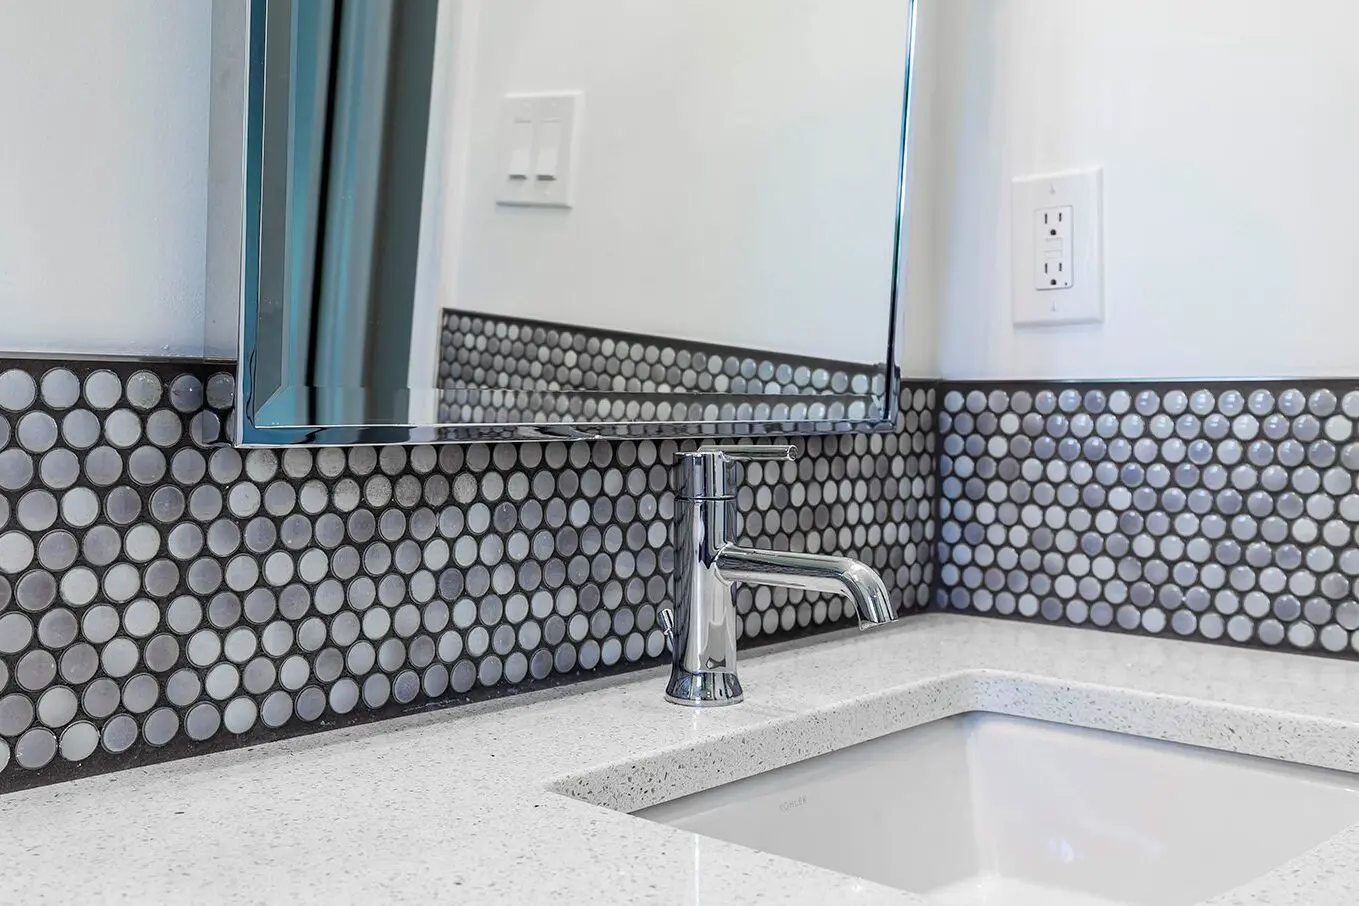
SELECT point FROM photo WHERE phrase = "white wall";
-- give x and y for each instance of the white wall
(736, 180)
(103, 175)
(1229, 137)
(1225, 128)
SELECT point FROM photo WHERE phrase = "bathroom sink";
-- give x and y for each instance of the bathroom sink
(985, 809)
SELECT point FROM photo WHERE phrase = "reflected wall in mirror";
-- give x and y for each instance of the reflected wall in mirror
(518, 219)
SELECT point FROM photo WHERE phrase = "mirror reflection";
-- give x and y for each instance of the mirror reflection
(465, 217)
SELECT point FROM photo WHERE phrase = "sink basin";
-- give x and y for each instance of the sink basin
(987, 809)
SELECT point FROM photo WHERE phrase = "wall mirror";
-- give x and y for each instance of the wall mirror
(533, 219)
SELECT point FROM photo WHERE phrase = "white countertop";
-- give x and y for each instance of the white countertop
(457, 806)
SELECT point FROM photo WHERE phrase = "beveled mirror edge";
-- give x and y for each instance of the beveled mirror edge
(247, 433)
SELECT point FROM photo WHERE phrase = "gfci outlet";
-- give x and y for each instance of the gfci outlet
(1057, 260)
(1052, 243)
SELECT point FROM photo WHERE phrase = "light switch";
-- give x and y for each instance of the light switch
(541, 138)
(521, 150)
(549, 149)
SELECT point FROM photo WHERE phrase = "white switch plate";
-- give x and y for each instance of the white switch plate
(543, 174)
(1057, 267)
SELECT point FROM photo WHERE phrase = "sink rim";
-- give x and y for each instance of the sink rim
(975, 750)
(628, 785)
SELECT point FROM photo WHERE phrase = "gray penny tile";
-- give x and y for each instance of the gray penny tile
(1289, 489)
(179, 594)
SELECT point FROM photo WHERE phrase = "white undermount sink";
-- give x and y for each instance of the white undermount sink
(984, 809)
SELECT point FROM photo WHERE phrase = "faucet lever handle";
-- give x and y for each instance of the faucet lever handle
(667, 621)
(751, 452)
(709, 473)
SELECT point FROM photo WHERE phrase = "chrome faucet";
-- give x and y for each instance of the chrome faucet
(701, 630)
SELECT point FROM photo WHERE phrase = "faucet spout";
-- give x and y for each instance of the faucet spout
(811, 572)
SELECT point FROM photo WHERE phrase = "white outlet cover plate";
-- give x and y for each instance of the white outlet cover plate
(1083, 302)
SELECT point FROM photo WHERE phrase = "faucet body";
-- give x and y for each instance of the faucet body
(702, 629)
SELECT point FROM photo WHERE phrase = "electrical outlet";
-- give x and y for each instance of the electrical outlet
(1053, 268)
(1057, 249)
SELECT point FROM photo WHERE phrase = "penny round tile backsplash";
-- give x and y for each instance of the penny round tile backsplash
(494, 368)
(164, 594)
(484, 350)
(1225, 512)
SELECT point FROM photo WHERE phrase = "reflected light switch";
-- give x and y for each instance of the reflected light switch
(539, 138)
(549, 149)
(521, 150)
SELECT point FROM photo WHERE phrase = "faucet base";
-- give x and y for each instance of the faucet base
(703, 690)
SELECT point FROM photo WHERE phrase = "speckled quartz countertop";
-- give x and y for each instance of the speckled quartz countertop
(461, 806)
